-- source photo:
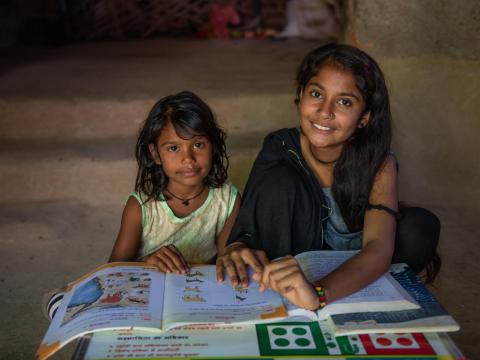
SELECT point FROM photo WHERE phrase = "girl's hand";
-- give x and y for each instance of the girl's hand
(286, 277)
(168, 259)
(235, 259)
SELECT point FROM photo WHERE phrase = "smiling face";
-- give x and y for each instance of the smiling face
(331, 109)
(186, 162)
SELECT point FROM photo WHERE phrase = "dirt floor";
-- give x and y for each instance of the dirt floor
(69, 121)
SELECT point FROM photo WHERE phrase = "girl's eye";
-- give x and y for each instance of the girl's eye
(199, 145)
(173, 148)
(345, 102)
(315, 94)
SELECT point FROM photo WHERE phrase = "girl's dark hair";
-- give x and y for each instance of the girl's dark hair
(366, 151)
(190, 116)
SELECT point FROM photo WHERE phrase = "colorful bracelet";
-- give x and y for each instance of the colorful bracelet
(321, 295)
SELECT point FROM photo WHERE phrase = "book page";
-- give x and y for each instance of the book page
(381, 294)
(198, 298)
(114, 296)
(318, 264)
(293, 340)
(207, 340)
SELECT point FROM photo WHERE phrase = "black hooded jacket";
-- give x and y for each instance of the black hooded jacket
(282, 207)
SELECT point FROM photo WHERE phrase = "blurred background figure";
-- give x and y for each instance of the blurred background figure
(312, 19)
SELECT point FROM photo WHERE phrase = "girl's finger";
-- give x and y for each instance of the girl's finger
(287, 282)
(241, 269)
(161, 255)
(163, 266)
(249, 257)
(176, 258)
(231, 270)
(262, 257)
(264, 282)
(276, 270)
(278, 273)
(257, 276)
(219, 268)
(155, 261)
(297, 289)
(186, 265)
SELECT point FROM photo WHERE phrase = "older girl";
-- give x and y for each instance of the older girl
(330, 184)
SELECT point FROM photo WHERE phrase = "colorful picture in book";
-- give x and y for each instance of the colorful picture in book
(303, 339)
(396, 344)
(193, 293)
(120, 289)
(291, 338)
(241, 294)
(198, 289)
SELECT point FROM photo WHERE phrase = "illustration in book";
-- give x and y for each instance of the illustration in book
(120, 289)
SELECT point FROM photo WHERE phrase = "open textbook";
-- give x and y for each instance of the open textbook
(429, 317)
(137, 296)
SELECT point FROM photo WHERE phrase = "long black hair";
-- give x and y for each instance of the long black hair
(365, 152)
(190, 116)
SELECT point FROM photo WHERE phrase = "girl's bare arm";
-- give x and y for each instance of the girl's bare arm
(227, 228)
(378, 239)
(128, 238)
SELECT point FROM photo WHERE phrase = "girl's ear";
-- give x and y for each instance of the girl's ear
(154, 153)
(364, 120)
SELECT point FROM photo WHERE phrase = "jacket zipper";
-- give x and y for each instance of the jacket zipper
(300, 162)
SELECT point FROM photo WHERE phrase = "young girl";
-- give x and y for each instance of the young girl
(332, 184)
(183, 208)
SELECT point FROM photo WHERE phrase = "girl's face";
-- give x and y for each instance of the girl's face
(186, 162)
(331, 109)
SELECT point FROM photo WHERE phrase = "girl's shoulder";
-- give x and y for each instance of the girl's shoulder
(137, 196)
(390, 164)
(224, 198)
(227, 190)
(392, 160)
(386, 175)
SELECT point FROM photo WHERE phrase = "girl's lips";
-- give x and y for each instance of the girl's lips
(189, 173)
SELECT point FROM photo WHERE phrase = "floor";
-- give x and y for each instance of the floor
(69, 120)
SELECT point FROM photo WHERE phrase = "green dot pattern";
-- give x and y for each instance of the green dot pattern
(279, 331)
(302, 342)
(299, 331)
(282, 342)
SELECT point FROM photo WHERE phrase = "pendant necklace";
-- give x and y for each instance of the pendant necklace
(185, 201)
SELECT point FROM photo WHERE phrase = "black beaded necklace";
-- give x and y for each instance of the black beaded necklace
(185, 201)
(323, 162)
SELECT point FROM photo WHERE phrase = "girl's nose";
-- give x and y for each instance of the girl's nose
(326, 109)
(188, 157)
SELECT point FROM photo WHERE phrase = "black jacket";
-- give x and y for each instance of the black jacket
(282, 207)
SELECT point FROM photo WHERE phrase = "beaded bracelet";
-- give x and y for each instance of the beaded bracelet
(321, 295)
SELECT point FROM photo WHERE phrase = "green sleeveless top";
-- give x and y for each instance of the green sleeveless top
(194, 235)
